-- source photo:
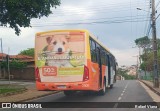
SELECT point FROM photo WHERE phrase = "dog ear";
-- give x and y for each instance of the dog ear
(49, 39)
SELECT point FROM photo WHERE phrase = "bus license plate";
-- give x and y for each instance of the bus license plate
(61, 87)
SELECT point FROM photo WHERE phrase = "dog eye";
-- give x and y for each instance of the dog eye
(63, 43)
(54, 42)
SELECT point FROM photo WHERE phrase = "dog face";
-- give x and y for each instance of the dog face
(58, 43)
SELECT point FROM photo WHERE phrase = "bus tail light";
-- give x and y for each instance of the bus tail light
(86, 74)
(37, 75)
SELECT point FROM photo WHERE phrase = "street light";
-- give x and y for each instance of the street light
(142, 10)
(148, 11)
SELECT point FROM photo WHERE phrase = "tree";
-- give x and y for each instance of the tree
(18, 13)
(143, 42)
(124, 73)
(13, 64)
(147, 56)
(28, 52)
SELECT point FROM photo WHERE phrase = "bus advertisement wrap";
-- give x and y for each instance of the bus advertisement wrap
(57, 58)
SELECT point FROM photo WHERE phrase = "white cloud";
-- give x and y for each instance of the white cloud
(79, 11)
(119, 37)
(125, 57)
(17, 43)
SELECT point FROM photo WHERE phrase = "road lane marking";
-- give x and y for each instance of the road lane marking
(119, 98)
(123, 92)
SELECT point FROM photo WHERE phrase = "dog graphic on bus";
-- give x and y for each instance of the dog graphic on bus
(58, 48)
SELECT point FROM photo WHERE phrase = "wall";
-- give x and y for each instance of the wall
(22, 74)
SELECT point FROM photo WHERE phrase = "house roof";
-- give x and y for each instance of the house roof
(20, 57)
(23, 58)
(2, 54)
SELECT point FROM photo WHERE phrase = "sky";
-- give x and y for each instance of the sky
(116, 23)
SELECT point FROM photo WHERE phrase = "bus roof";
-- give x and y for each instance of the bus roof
(74, 30)
(93, 37)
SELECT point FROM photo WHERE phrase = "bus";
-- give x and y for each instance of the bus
(73, 60)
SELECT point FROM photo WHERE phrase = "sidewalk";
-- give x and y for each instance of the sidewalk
(150, 85)
(31, 93)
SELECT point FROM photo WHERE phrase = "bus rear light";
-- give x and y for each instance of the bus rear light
(86, 74)
(37, 75)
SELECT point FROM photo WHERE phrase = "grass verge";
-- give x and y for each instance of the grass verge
(11, 89)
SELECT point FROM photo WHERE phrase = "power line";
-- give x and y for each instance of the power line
(91, 11)
(158, 4)
(96, 22)
(147, 31)
(110, 18)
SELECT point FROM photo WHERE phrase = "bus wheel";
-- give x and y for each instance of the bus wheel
(69, 93)
(111, 86)
(103, 91)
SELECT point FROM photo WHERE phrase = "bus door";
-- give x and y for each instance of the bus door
(100, 66)
(109, 69)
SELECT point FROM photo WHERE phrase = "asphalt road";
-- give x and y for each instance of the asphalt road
(123, 91)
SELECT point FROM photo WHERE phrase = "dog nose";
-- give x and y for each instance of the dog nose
(59, 49)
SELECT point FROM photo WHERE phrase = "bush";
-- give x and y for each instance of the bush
(13, 64)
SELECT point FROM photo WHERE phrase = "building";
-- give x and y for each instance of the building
(23, 58)
(26, 73)
(131, 69)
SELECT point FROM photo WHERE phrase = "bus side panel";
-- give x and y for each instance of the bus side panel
(94, 74)
(112, 75)
(93, 67)
(104, 75)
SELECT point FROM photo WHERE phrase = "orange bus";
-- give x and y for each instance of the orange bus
(73, 60)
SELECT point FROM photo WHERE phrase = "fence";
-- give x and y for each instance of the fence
(147, 75)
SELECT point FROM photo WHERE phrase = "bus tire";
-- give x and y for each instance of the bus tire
(103, 91)
(111, 86)
(68, 93)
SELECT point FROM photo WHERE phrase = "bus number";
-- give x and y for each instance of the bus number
(49, 71)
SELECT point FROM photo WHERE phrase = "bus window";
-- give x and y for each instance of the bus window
(93, 51)
(106, 59)
(103, 58)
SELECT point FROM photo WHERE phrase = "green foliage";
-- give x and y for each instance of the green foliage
(142, 42)
(143, 65)
(18, 13)
(123, 73)
(147, 55)
(14, 64)
(28, 52)
(11, 88)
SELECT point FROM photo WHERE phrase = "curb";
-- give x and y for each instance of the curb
(155, 91)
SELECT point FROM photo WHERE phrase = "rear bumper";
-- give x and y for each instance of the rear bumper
(80, 86)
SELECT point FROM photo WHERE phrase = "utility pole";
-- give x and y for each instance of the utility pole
(1, 72)
(2, 49)
(8, 67)
(137, 75)
(155, 64)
